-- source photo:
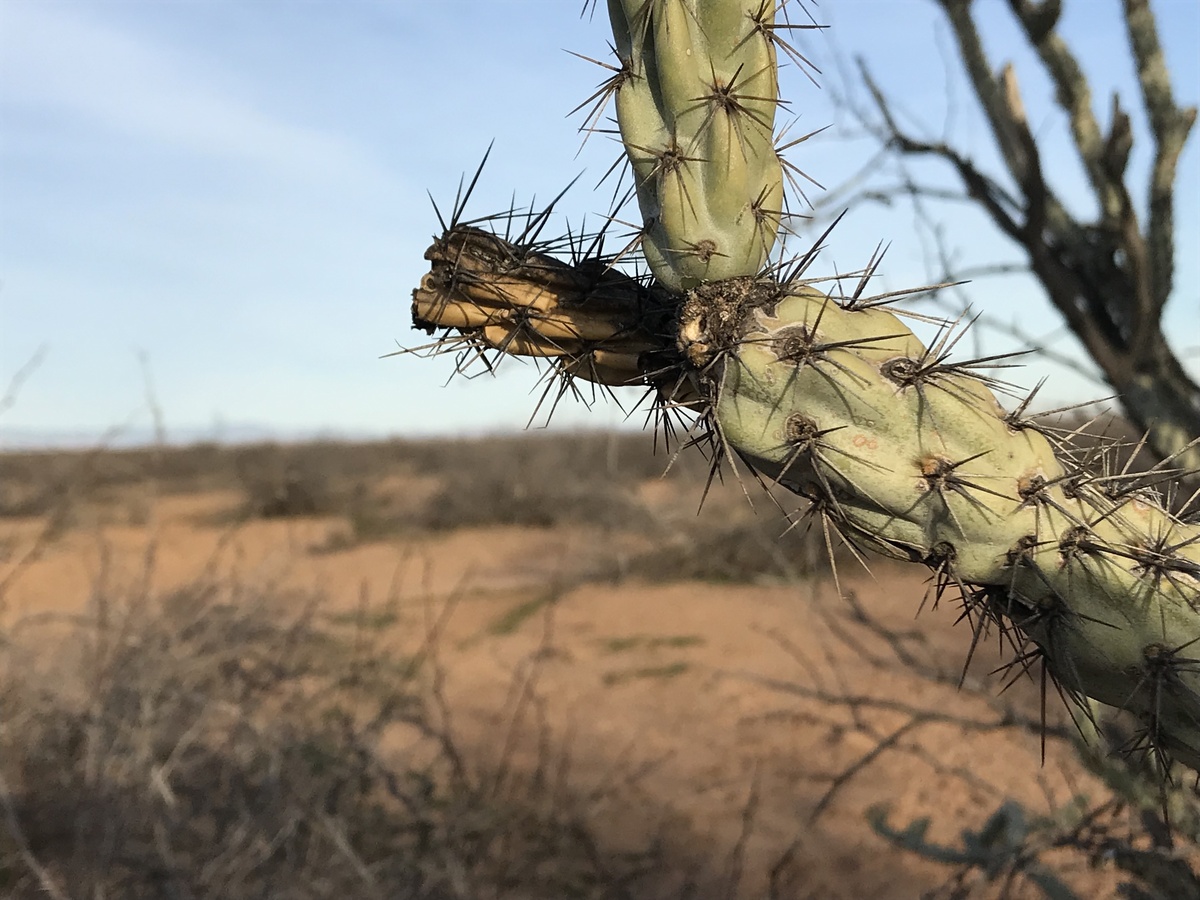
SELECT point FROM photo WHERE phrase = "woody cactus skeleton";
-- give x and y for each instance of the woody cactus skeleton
(898, 449)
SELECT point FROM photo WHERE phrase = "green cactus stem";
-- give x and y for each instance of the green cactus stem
(696, 102)
(912, 456)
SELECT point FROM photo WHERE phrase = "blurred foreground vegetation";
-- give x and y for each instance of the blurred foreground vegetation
(235, 739)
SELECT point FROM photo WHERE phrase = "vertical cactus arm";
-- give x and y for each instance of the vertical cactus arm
(697, 111)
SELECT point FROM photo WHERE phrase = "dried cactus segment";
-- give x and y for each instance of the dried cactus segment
(696, 105)
(492, 271)
(525, 302)
(607, 367)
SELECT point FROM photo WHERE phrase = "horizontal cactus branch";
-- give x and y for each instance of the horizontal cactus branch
(900, 452)
(841, 404)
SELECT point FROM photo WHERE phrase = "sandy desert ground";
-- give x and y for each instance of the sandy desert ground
(718, 734)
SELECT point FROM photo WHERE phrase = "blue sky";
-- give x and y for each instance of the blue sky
(231, 196)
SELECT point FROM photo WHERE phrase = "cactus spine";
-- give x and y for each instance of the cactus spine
(897, 448)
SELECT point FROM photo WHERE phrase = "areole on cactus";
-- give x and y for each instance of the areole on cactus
(897, 448)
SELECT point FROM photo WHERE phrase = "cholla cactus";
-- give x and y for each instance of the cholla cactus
(897, 448)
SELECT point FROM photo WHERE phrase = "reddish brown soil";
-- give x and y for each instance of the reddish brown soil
(680, 706)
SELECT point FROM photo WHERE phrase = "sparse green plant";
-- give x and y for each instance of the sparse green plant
(750, 550)
(1090, 572)
(650, 642)
(516, 490)
(513, 618)
(669, 670)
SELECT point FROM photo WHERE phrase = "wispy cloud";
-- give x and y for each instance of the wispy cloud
(60, 59)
